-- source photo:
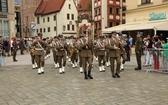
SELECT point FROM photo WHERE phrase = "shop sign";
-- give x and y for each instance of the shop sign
(157, 16)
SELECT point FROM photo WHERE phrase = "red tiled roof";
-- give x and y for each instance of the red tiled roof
(83, 5)
(49, 6)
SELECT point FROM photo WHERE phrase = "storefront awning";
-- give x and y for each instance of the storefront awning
(162, 26)
(120, 28)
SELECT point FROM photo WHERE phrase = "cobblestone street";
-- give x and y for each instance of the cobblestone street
(21, 85)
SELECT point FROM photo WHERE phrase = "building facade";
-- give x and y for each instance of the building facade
(17, 20)
(108, 13)
(85, 18)
(152, 14)
(56, 17)
(7, 18)
(28, 8)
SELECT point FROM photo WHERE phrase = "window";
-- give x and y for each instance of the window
(110, 24)
(37, 31)
(38, 20)
(145, 1)
(44, 30)
(68, 16)
(111, 10)
(48, 19)
(48, 29)
(54, 17)
(117, 23)
(117, 11)
(64, 27)
(3, 6)
(73, 27)
(40, 30)
(55, 28)
(68, 27)
(72, 16)
(43, 20)
(69, 6)
(99, 11)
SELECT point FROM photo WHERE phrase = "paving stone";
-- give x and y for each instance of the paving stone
(21, 85)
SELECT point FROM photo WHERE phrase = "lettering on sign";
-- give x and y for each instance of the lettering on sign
(157, 16)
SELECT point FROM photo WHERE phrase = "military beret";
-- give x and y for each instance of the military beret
(114, 32)
(60, 35)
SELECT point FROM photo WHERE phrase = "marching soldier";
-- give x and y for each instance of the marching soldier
(15, 48)
(48, 41)
(56, 64)
(73, 52)
(39, 53)
(138, 51)
(80, 41)
(21, 46)
(94, 49)
(61, 46)
(87, 56)
(115, 47)
(100, 48)
(107, 40)
(31, 49)
(122, 53)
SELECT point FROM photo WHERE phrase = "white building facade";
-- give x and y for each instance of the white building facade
(57, 21)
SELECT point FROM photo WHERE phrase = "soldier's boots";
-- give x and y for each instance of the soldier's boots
(60, 70)
(86, 76)
(76, 65)
(42, 70)
(100, 68)
(63, 69)
(103, 69)
(122, 67)
(33, 66)
(89, 75)
(81, 70)
(39, 70)
(138, 68)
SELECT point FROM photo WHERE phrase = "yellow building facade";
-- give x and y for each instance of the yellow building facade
(146, 10)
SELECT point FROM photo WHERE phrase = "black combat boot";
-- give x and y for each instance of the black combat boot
(117, 75)
(86, 76)
(138, 68)
(89, 75)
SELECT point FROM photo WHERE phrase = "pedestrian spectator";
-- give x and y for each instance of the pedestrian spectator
(148, 48)
(131, 44)
(138, 51)
(26, 45)
(11, 46)
(127, 49)
(15, 48)
(6, 46)
(21, 46)
(156, 45)
(165, 55)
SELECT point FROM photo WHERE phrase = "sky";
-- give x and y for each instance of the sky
(17, 1)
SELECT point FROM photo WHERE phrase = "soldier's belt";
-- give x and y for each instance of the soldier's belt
(86, 49)
(61, 49)
(38, 49)
(101, 49)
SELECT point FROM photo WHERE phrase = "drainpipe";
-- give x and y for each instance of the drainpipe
(56, 23)
(121, 4)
